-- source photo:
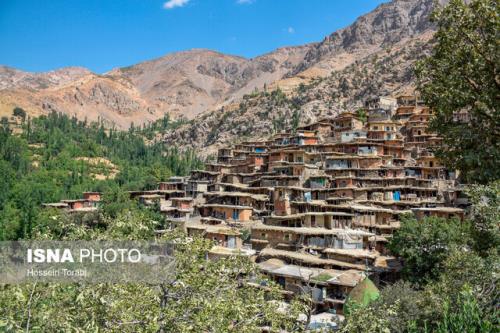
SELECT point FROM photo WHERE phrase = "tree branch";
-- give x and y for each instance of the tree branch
(29, 308)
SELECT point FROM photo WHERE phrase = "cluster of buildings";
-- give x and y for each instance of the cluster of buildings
(315, 207)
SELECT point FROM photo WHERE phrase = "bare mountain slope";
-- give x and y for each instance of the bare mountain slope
(256, 116)
(388, 24)
(181, 84)
(191, 82)
(373, 56)
(13, 78)
(194, 83)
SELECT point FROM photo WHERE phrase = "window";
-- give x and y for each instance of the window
(263, 235)
(313, 221)
(286, 237)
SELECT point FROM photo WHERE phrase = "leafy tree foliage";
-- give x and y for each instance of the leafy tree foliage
(423, 245)
(19, 112)
(463, 297)
(462, 77)
(203, 295)
(362, 115)
(468, 317)
(46, 164)
(486, 216)
(467, 270)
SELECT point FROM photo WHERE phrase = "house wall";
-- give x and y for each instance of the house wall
(368, 163)
(344, 193)
(310, 141)
(223, 240)
(243, 215)
(77, 205)
(274, 237)
(282, 207)
(343, 182)
(92, 196)
(183, 204)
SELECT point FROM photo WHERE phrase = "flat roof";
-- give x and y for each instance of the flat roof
(312, 230)
(439, 209)
(226, 206)
(308, 258)
(258, 197)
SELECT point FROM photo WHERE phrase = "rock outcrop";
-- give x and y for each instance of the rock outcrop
(198, 84)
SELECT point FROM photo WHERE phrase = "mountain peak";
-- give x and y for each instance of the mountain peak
(190, 82)
(387, 24)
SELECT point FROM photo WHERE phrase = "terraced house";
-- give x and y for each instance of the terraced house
(316, 206)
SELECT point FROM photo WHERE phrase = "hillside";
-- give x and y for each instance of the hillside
(195, 83)
(384, 73)
(184, 83)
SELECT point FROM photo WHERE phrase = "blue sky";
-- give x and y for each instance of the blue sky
(103, 34)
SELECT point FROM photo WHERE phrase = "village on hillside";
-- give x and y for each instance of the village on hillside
(314, 206)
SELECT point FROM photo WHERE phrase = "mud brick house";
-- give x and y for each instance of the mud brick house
(316, 206)
(237, 213)
(89, 203)
(329, 288)
(92, 196)
(173, 184)
(443, 212)
(345, 122)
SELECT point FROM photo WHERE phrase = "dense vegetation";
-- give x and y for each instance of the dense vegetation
(57, 157)
(202, 296)
(450, 277)
(460, 80)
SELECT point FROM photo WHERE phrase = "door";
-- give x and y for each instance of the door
(231, 242)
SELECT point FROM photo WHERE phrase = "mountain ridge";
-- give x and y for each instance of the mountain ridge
(194, 82)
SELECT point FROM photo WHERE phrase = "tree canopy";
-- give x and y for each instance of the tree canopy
(460, 81)
(202, 296)
(58, 157)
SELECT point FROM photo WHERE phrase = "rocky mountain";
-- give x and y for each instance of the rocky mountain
(388, 72)
(373, 56)
(13, 78)
(202, 85)
(388, 24)
(180, 84)
(191, 82)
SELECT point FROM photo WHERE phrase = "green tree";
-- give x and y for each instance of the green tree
(203, 295)
(10, 223)
(367, 319)
(467, 316)
(462, 77)
(115, 201)
(485, 216)
(423, 245)
(361, 114)
(19, 112)
(295, 120)
(466, 269)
